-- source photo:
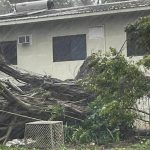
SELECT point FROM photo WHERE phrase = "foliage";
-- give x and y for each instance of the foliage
(140, 32)
(57, 111)
(69, 130)
(117, 84)
(145, 61)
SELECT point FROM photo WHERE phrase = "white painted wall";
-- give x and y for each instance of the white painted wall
(38, 57)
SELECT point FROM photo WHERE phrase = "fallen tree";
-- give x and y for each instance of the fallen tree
(35, 99)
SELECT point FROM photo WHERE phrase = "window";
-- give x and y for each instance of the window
(67, 48)
(9, 52)
(133, 47)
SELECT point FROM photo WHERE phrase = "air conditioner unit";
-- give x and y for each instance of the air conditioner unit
(25, 39)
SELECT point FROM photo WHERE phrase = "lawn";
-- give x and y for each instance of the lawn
(143, 145)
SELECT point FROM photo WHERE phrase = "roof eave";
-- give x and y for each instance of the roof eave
(45, 18)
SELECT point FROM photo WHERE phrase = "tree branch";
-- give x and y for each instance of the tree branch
(141, 111)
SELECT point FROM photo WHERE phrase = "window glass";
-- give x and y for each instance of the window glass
(133, 47)
(66, 48)
(9, 52)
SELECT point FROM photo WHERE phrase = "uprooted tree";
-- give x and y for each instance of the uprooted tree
(35, 99)
(99, 105)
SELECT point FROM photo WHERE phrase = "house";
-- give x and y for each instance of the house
(56, 41)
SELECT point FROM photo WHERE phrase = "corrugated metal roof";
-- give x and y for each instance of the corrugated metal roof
(78, 10)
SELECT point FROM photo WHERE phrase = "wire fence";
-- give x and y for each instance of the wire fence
(44, 134)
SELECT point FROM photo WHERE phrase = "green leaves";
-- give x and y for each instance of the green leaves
(118, 84)
(140, 32)
(145, 61)
(57, 112)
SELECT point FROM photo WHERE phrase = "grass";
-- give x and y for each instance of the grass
(7, 148)
(143, 145)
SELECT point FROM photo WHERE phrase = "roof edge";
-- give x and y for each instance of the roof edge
(46, 18)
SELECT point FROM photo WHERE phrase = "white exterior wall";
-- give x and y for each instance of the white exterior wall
(38, 57)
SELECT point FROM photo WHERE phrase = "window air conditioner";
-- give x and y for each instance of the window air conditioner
(26, 39)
